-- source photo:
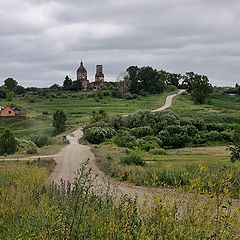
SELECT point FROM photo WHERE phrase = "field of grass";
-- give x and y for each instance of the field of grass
(179, 168)
(221, 108)
(78, 108)
(31, 208)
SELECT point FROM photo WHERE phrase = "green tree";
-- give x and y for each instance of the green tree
(174, 79)
(3, 92)
(77, 86)
(67, 84)
(134, 84)
(19, 90)
(59, 121)
(235, 150)
(8, 143)
(10, 84)
(198, 86)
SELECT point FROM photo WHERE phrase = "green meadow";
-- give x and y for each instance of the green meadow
(203, 169)
(220, 108)
(78, 107)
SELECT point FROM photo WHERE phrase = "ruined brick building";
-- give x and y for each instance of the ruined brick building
(99, 82)
(99, 76)
(82, 76)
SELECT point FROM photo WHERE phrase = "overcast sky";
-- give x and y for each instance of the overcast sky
(42, 41)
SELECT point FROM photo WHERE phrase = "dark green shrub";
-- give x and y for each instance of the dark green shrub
(175, 136)
(59, 121)
(199, 124)
(128, 96)
(141, 132)
(124, 139)
(8, 143)
(215, 127)
(226, 136)
(147, 145)
(153, 139)
(213, 136)
(97, 135)
(41, 140)
(133, 159)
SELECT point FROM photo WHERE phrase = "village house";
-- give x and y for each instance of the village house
(10, 112)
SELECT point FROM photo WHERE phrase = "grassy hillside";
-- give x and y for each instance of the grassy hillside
(221, 108)
(78, 107)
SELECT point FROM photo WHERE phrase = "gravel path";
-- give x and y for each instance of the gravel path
(169, 101)
(73, 155)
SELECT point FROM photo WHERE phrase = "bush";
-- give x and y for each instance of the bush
(141, 132)
(175, 136)
(153, 139)
(97, 135)
(199, 124)
(147, 145)
(128, 96)
(40, 141)
(215, 127)
(213, 136)
(158, 151)
(124, 139)
(133, 159)
(8, 143)
(27, 146)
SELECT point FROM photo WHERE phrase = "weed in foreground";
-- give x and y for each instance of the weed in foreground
(30, 209)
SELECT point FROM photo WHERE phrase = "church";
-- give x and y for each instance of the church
(99, 83)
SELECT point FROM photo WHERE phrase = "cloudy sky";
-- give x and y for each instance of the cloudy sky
(42, 41)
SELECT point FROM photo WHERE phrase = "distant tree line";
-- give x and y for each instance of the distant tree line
(131, 83)
(146, 80)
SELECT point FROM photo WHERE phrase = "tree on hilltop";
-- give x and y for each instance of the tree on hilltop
(59, 121)
(67, 84)
(198, 86)
(10, 84)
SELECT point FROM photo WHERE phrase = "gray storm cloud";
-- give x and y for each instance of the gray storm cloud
(42, 41)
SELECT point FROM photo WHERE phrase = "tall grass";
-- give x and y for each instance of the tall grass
(172, 171)
(33, 209)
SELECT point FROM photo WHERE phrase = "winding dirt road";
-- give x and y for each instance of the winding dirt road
(72, 156)
(169, 101)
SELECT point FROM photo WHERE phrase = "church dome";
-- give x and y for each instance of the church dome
(81, 69)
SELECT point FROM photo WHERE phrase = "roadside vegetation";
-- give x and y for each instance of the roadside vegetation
(31, 208)
(146, 149)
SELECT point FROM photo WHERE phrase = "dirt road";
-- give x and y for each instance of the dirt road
(71, 156)
(169, 101)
